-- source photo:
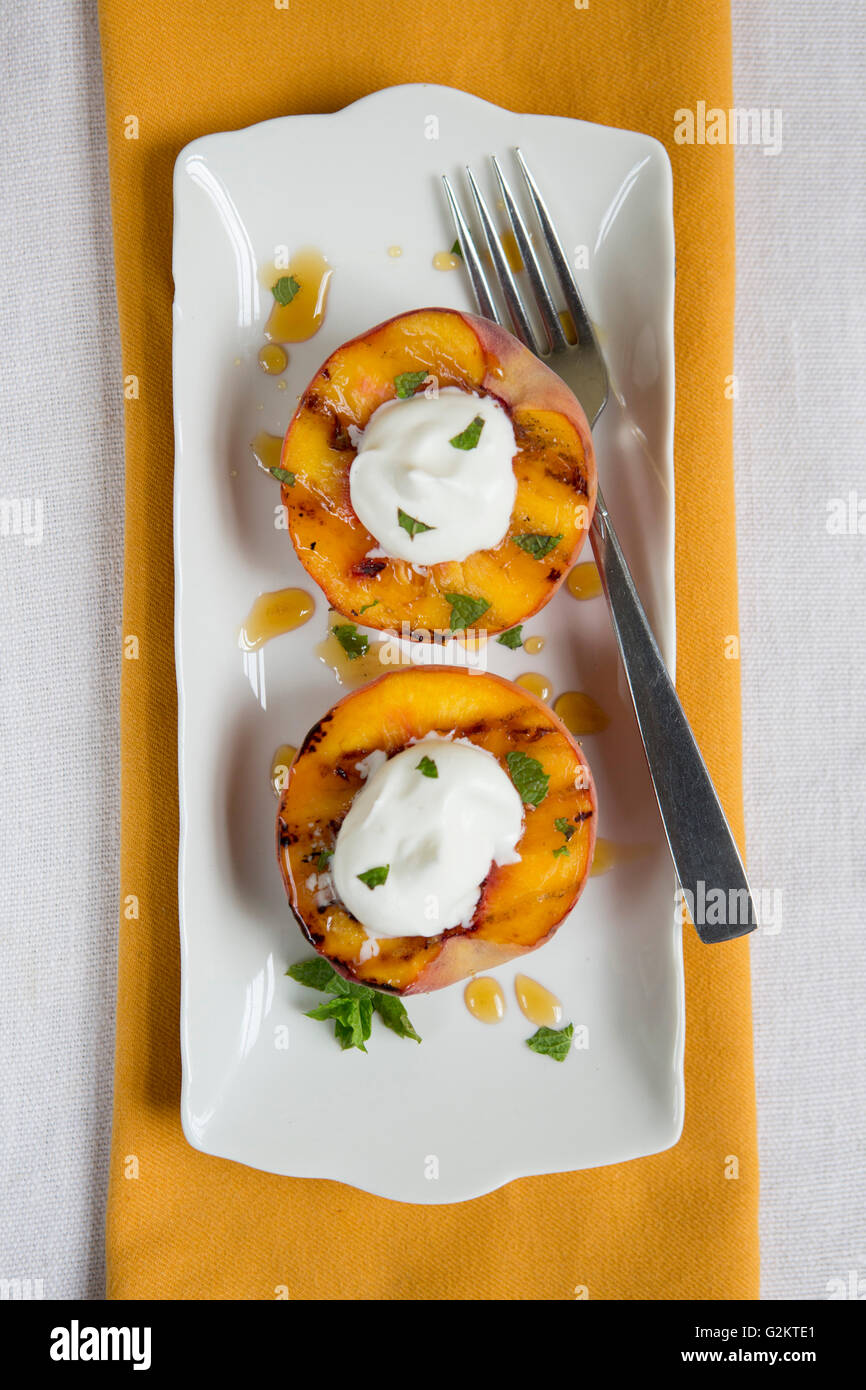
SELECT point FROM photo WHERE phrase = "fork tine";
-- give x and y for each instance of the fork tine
(560, 261)
(546, 305)
(480, 284)
(516, 307)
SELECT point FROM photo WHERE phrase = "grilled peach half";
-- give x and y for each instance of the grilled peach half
(554, 467)
(520, 905)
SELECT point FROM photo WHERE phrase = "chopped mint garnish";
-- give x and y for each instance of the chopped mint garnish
(464, 610)
(563, 849)
(325, 856)
(352, 1006)
(468, 438)
(374, 877)
(353, 642)
(407, 383)
(411, 525)
(285, 289)
(427, 767)
(455, 249)
(366, 606)
(283, 475)
(537, 546)
(552, 1042)
(529, 777)
(513, 638)
(564, 826)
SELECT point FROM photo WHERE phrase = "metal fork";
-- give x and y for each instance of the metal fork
(702, 846)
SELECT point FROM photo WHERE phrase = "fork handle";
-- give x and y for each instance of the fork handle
(702, 845)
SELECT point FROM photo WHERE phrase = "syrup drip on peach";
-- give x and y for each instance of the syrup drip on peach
(280, 764)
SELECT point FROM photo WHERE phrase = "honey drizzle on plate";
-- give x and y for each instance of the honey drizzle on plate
(580, 713)
(485, 1000)
(533, 645)
(280, 764)
(536, 684)
(349, 671)
(267, 450)
(298, 320)
(537, 1003)
(273, 359)
(584, 581)
(609, 852)
(273, 614)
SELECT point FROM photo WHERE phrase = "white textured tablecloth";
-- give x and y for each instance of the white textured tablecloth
(800, 368)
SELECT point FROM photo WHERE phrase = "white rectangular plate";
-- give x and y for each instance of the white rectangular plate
(472, 1107)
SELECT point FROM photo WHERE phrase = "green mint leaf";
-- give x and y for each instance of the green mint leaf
(529, 777)
(411, 525)
(352, 1019)
(366, 606)
(564, 826)
(455, 249)
(353, 642)
(427, 767)
(374, 877)
(537, 546)
(340, 985)
(562, 849)
(341, 1006)
(394, 1016)
(283, 475)
(325, 856)
(464, 610)
(552, 1042)
(468, 438)
(315, 973)
(346, 1034)
(407, 383)
(285, 289)
(513, 638)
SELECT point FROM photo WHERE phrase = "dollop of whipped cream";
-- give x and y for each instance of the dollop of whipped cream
(436, 815)
(406, 464)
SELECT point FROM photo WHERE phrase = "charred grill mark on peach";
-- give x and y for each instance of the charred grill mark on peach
(367, 568)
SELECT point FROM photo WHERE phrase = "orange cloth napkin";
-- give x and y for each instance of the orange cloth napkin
(184, 1225)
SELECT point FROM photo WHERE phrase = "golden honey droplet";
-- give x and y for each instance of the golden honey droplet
(485, 1000)
(568, 327)
(267, 450)
(537, 1003)
(273, 359)
(298, 320)
(445, 260)
(608, 852)
(584, 581)
(580, 713)
(536, 684)
(604, 857)
(280, 764)
(354, 671)
(395, 251)
(273, 614)
(511, 249)
(533, 645)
